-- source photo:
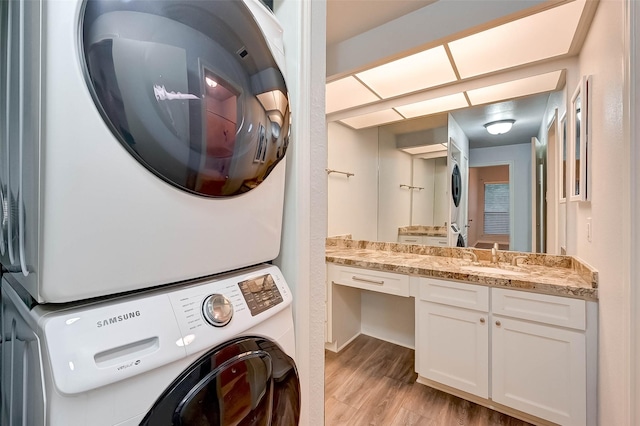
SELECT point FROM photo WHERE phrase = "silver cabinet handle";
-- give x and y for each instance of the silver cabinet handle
(367, 280)
(8, 133)
(20, 201)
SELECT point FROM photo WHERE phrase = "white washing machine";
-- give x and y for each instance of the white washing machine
(214, 352)
(141, 142)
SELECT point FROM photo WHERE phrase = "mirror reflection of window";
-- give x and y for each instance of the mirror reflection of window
(496, 209)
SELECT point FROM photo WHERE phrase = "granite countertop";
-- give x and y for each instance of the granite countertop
(421, 230)
(541, 273)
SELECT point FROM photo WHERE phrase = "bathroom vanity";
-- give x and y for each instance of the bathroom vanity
(521, 339)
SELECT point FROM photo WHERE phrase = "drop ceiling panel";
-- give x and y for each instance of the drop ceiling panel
(373, 119)
(544, 35)
(416, 72)
(515, 89)
(424, 149)
(433, 106)
(346, 93)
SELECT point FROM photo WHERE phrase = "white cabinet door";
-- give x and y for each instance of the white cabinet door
(539, 369)
(454, 347)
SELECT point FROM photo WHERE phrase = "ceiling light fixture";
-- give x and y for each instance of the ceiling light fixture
(499, 127)
(210, 82)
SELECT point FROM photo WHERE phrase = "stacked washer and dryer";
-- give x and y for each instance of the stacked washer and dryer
(141, 194)
(457, 220)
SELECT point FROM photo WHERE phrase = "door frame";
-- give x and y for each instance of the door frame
(552, 244)
(512, 193)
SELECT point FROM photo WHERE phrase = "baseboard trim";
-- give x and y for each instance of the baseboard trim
(486, 403)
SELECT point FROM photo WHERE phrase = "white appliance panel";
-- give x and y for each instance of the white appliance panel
(97, 222)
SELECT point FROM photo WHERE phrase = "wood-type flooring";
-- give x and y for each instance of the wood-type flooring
(372, 382)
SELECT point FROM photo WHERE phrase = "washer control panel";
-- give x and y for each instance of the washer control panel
(100, 343)
(219, 310)
(260, 293)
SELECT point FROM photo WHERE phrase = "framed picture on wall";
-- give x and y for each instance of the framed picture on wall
(579, 157)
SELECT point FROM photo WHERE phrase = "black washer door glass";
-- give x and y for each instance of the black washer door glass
(190, 88)
(247, 381)
(456, 185)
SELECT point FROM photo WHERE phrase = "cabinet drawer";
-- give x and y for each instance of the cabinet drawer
(435, 241)
(383, 282)
(468, 296)
(543, 308)
(410, 239)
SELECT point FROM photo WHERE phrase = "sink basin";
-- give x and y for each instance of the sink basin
(492, 270)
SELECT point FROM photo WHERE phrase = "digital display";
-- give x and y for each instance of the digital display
(260, 293)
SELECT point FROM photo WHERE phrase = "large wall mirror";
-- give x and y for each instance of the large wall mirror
(394, 187)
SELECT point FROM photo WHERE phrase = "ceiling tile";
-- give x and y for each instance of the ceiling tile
(372, 119)
(409, 74)
(424, 149)
(515, 89)
(346, 93)
(432, 106)
(543, 35)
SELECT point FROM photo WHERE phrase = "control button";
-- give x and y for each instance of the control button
(217, 310)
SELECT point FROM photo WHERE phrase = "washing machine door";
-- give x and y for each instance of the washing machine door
(190, 88)
(456, 185)
(247, 381)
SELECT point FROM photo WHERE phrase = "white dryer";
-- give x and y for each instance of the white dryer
(456, 190)
(141, 142)
(214, 352)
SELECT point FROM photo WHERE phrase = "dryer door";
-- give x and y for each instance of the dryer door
(247, 381)
(190, 88)
(456, 185)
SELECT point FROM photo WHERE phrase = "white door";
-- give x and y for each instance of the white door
(454, 347)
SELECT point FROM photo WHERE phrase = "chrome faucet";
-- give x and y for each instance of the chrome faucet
(514, 261)
(494, 253)
(474, 257)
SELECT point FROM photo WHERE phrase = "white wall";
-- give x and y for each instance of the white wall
(422, 201)
(387, 317)
(633, 86)
(603, 57)
(305, 221)
(520, 156)
(441, 198)
(394, 205)
(353, 201)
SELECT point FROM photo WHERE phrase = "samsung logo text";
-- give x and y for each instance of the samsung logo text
(117, 319)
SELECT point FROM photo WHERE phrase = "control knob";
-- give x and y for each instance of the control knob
(217, 310)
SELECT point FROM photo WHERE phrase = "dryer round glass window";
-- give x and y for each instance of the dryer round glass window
(456, 185)
(197, 99)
